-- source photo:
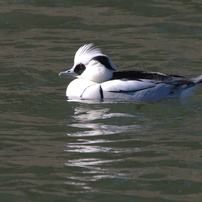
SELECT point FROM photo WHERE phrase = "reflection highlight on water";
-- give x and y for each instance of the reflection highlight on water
(84, 117)
(129, 154)
(95, 138)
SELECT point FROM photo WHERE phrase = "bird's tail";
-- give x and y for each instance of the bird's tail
(191, 90)
(197, 80)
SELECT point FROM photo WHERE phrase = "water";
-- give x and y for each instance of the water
(54, 150)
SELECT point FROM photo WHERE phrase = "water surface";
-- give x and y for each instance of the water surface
(54, 150)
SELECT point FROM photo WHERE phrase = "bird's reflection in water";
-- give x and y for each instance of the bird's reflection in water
(93, 119)
(97, 142)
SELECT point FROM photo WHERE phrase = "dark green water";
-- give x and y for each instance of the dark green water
(54, 150)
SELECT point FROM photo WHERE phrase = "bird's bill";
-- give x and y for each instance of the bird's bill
(69, 72)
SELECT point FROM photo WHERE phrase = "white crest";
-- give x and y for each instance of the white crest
(86, 53)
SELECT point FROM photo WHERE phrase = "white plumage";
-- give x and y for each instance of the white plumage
(98, 78)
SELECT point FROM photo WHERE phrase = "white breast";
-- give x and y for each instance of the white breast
(83, 89)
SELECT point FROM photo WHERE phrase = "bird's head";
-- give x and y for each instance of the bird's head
(91, 64)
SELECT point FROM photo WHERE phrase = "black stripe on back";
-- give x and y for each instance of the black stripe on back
(135, 75)
(155, 76)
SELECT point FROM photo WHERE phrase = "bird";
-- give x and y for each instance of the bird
(97, 78)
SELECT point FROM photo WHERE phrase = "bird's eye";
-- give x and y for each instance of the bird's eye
(79, 69)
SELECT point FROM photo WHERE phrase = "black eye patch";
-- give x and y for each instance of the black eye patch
(79, 69)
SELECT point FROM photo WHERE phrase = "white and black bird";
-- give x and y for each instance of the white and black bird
(97, 78)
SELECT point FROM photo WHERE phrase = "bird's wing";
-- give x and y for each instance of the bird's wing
(121, 86)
